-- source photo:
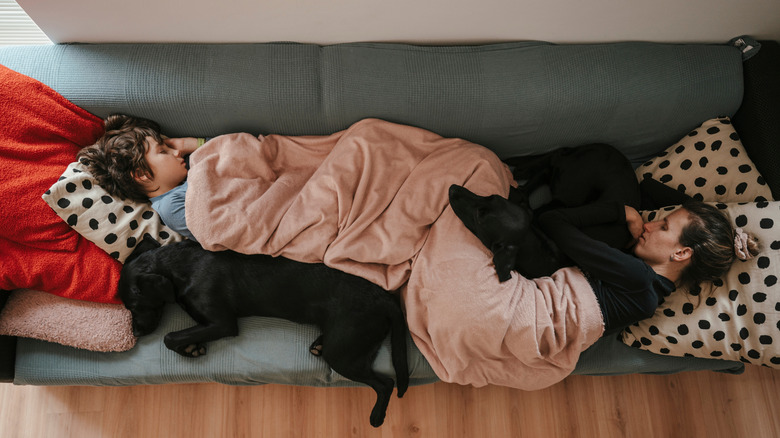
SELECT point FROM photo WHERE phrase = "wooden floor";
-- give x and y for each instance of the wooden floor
(701, 404)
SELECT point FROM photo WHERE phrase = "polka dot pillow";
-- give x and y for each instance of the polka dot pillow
(709, 164)
(114, 225)
(740, 318)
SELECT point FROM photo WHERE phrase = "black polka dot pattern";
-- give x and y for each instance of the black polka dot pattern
(709, 164)
(735, 318)
(114, 225)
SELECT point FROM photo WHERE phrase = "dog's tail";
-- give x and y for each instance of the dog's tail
(398, 334)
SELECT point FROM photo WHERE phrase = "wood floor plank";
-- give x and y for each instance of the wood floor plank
(701, 404)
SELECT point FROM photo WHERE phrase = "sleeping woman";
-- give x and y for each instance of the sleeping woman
(693, 244)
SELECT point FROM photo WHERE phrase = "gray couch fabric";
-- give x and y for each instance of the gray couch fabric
(514, 98)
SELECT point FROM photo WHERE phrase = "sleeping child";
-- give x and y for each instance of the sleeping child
(132, 160)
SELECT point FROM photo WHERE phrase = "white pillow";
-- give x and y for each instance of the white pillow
(709, 164)
(114, 225)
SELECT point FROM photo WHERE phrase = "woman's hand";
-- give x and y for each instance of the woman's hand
(634, 223)
(185, 145)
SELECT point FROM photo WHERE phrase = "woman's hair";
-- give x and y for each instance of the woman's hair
(711, 236)
(118, 157)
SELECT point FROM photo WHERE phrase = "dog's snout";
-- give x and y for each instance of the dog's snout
(138, 331)
(453, 192)
(460, 193)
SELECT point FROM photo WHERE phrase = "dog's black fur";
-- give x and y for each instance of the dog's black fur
(216, 288)
(507, 230)
(575, 176)
(582, 175)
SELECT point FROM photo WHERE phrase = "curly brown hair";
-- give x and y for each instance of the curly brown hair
(118, 157)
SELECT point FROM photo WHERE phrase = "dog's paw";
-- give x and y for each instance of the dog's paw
(377, 417)
(194, 350)
(316, 347)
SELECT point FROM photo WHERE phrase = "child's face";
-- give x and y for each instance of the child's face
(168, 167)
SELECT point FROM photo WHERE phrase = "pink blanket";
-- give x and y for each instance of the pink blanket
(372, 201)
(521, 333)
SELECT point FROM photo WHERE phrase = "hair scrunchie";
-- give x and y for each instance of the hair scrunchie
(741, 245)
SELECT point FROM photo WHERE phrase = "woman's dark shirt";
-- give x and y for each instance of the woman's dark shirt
(627, 289)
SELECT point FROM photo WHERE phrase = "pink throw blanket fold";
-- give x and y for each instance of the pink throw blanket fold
(472, 329)
(372, 201)
(361, 200)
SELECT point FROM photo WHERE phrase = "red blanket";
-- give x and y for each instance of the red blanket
(40, 134)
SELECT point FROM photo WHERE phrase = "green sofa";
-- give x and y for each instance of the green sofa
(514, 98)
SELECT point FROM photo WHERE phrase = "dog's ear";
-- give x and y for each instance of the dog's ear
(518, 196)
(146, 244)
(504, 257)
(155, 288)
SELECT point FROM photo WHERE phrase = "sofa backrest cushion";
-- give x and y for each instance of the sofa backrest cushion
(515, 98)
(758, 118)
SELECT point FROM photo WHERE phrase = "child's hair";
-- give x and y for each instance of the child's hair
(118, 157)
(711, 236)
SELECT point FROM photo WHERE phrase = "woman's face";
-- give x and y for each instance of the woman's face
(661, 239)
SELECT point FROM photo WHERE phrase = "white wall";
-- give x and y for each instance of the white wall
(420, 21)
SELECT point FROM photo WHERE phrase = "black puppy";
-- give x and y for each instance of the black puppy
(575, 176)
(216, 288)
(507, 230)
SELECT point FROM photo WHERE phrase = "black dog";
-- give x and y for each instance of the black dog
(507, 230)
(575, 176)
(216, 288)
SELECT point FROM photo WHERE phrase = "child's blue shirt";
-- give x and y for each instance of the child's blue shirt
(170, 207)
